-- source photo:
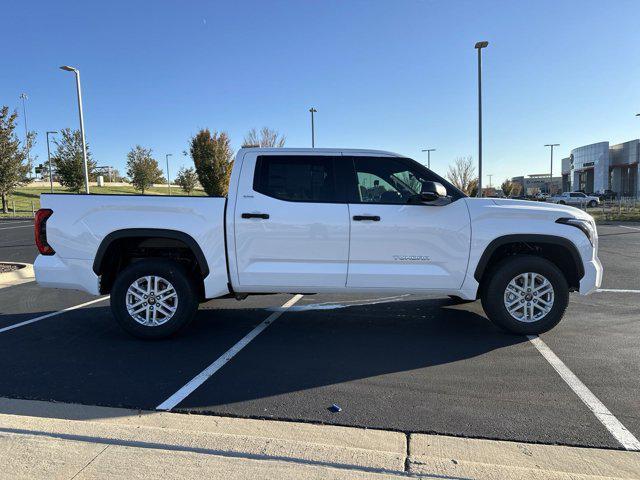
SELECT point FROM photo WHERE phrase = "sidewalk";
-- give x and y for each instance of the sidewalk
(53, 440)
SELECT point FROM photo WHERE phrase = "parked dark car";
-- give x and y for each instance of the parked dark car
(608, 195)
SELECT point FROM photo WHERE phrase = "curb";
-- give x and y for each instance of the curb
(45, 440)
(23, 275)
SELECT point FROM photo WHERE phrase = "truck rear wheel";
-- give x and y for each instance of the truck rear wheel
(526, 295)
(153, 298)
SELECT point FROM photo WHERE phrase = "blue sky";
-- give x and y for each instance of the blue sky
(394, 75)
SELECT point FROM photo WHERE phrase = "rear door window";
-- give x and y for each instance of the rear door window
(296, 178)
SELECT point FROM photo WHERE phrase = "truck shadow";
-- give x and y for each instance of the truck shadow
(84, 357)
(309, 349)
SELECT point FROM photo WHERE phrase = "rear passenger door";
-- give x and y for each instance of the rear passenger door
(291, 224)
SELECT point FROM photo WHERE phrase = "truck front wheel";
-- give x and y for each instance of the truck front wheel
(525, 294)
(153, 298)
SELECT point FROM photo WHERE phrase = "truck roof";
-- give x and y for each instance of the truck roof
(318, 150)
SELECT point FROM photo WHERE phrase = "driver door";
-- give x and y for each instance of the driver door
(394, 244)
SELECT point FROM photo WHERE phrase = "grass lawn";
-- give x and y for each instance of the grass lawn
(25, 197)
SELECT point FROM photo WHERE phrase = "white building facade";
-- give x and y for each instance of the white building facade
(600, 166)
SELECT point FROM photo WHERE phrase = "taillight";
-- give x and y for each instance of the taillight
(40, 225)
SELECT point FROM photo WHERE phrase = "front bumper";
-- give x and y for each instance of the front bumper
(75, 274)
(592, 278)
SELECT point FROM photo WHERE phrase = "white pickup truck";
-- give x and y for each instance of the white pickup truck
(317, 221)
(575, 198)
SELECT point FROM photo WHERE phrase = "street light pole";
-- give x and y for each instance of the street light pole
(429, 150)
(489, 175)
(551, 171)
(313, 132)
(479, 46)
(23, 97)
(168, 181)
(49, 159)
(84, 144)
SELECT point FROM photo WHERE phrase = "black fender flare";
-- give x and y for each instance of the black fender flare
(150, 232)
(528, 238)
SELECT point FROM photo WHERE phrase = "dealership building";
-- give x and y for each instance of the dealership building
(601, 166)
(535, 183)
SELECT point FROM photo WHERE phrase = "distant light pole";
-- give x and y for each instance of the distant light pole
(479, 46)
(489, 175)
(551, 170)
(23, 97)
(313, 131)
(429, 150)
(84, 144)
(49, 159)
(168, 181)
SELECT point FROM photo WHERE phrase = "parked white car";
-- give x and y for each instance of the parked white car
(576, 198)
(317, 221)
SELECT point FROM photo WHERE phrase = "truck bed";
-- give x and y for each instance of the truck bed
(80, 223)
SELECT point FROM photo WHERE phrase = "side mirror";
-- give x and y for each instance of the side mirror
(431, 192)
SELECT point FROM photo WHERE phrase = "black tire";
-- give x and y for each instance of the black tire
(498, 279)
(460, 300)
(168, 270)
(593, 204)
(562, 202)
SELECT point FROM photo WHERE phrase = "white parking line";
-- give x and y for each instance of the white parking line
(602, 413)
(616, 290)
(20, 226)
(52, 314)
(203, 376)
(626, 226)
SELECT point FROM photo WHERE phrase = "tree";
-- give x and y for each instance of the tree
(463, 175)
(13, 166)
(142, 168)
(68, 160)
(187, 179)
(507, 187)
(213, 158)
(266, 138)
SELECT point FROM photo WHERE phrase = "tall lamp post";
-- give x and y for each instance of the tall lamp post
(551, 170)
(479, 46)
(168, 181)
(49, 159)
(313, 131)
(84, 144)
(429, 150)
(23, 97)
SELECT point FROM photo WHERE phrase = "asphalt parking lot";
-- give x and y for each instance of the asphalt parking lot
(407, 363)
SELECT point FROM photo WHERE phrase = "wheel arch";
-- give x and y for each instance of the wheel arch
(561, 251)
(154, 238)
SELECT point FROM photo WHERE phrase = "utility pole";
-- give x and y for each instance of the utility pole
(551, 170)
(429, 150)
(489, 175)
(49, 159)
(479, 46)
(23, 97)
(84, 144)
(313, 132)
(168, 181)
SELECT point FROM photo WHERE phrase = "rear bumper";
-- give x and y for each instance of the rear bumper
(75, 274)
(592, 278)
